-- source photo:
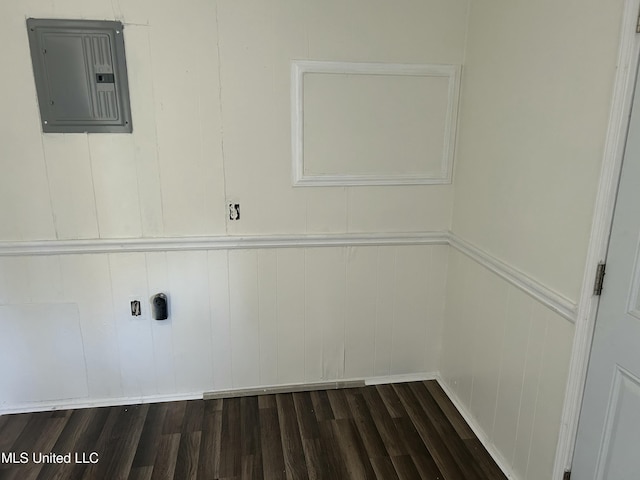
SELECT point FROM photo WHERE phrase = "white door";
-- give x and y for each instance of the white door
(608, 442)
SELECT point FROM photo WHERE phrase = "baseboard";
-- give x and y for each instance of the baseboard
(72, 404)
(497, 457)
(69, 404)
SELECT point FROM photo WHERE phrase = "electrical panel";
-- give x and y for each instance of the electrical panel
(81, 75)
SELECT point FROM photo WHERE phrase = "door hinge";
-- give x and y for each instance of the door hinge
(638, 24)
(597, 286)
(567, 475)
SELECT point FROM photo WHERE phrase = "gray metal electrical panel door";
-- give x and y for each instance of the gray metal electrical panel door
(81, 75)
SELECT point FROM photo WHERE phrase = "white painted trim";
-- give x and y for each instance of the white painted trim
(555, 301)
(300, 67)
(622, 98)
(482, 436)
(68, 404)
(61, 247)
(344, 180)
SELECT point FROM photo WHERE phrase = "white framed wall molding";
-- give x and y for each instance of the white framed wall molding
(373, 123)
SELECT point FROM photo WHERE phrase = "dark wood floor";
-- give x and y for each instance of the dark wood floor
(400, 431)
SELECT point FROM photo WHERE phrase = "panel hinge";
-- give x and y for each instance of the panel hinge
(567, 475)
(597, 286)
(638, 24)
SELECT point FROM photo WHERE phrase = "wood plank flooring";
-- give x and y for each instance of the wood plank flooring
(400, 431)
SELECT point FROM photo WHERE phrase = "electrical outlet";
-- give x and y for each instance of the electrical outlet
(234, 211)
(136, 308)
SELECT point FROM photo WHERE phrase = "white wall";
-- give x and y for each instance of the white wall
(240, 318)
(536, 93)
(534, 110)
(257, 41)
(505, 360)
(210, 96)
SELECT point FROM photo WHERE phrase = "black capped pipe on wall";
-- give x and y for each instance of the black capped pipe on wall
(159, 307)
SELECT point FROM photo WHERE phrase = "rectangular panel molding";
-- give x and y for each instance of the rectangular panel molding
(373, 123)
(633, 303)
(622, 423)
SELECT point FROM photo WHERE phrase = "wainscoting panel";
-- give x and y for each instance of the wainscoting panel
(290, 294)
(505, 362)
(409, 311)
(162, 332)
(219, 307)
(361, 312)
(238, 318)
(135, 341)
(87, 282)
(245, 318)
(190, 316)
(268, 315)
(279, 315)
(52, 333)
(325, 302)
